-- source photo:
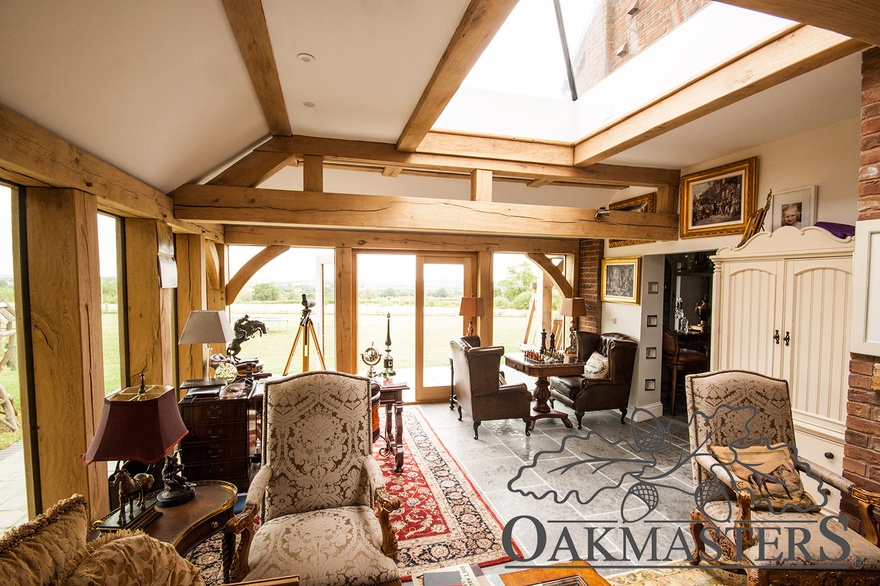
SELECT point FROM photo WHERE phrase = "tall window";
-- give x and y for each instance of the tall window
(112, 301)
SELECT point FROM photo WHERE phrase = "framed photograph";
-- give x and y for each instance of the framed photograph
(620, 280)
(644, 203)
(718, 201)
(794, 207)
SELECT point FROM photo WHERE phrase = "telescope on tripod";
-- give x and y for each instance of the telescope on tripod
(306, 331)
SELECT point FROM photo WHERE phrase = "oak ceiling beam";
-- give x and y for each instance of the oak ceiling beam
(33, 156)
(234, 205)
(248, 23)
(505, 149)
(252, 169)
(859, 19)
(385, 154)
(786, 57)
(480, 22)
(370, 239)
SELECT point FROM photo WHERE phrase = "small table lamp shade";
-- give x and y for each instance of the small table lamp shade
(137, 423)
(573, 307)
(206, 326)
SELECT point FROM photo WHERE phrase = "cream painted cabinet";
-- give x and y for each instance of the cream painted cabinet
(782, 307)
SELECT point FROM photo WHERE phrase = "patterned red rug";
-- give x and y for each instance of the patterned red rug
(442, 519)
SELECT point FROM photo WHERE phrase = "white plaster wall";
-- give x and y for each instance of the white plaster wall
(827, 157)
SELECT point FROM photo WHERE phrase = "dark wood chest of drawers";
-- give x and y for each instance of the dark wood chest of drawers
(216, 447)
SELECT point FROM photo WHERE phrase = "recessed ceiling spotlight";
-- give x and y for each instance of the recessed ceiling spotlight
(306, 57)
(309, 104)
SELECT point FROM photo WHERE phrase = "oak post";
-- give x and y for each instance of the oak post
(66, 342)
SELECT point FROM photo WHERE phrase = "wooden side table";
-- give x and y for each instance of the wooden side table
(391, 395)
(187, 525)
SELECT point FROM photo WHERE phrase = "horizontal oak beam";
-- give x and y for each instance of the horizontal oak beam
(799, 51)
(386, 154)
(859, 19)
(239, 205)
(371, 239)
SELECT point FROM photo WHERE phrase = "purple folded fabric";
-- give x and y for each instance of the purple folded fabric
(839, 230)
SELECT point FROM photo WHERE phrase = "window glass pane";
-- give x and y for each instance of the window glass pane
(111, 308)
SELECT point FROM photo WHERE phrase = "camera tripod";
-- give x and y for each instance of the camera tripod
(306, 331)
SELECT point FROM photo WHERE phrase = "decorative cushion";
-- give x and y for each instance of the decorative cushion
(596, 366)
(325, 548)
(128, 558)
(768, 472)
(34, 553)
(502, 380)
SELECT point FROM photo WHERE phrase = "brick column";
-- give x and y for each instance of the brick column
(589, 263)
(861, 461)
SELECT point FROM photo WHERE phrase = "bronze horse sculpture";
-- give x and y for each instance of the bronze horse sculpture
(245, 329)
(128, 487)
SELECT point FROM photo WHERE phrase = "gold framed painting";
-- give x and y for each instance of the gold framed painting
(644, 203)
(620, 280)
(718, 201)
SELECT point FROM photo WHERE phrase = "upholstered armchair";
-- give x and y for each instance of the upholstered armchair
(607, 387)
(477, 389)
(318, 489)
(749, 493)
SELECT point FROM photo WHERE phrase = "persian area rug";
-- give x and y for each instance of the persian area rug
(691, 576)
(442, 520)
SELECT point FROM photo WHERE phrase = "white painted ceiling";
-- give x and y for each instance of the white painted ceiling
(158, 88)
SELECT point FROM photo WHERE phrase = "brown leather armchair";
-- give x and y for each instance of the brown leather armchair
(598, 394)
(477, 388)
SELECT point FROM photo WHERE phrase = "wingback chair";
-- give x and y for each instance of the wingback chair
(609, 391)
(317, 488)
(477, 388)
(744, 413)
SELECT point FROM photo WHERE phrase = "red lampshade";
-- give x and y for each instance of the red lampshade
(138, 423)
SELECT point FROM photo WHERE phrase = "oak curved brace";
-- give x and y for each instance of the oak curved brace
(259, 260)
(553, 272)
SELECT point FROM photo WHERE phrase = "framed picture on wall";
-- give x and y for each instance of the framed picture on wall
(643, 203)
(718, 201)
(794, 207)
(620, 280)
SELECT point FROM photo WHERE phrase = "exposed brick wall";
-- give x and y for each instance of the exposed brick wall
(589, 264)
(861, 461)
(598, 55)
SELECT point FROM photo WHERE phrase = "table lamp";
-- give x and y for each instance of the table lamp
(206, 326)
(141, 424)
(471, 307)
(573, 307)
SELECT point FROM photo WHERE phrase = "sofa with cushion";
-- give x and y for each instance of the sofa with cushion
(609, 360)
(54, 549)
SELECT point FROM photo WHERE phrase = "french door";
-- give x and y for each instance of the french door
(412, 300)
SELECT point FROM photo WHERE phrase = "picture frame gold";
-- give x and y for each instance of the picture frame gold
(621, 279)
(643, 203)
(718, 201)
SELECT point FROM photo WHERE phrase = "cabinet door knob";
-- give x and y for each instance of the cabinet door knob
(787, 338)
(776, 337)
(829, 455)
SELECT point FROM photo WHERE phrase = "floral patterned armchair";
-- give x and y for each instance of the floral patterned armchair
(317, 488)
(749, 493)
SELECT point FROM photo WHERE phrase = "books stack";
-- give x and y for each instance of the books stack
(460, 575)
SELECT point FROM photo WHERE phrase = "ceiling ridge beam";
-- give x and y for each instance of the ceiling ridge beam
(238, 205)
(857, 19)
(800, 50)
(478, 26)
(251, 32)
(386, 154)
